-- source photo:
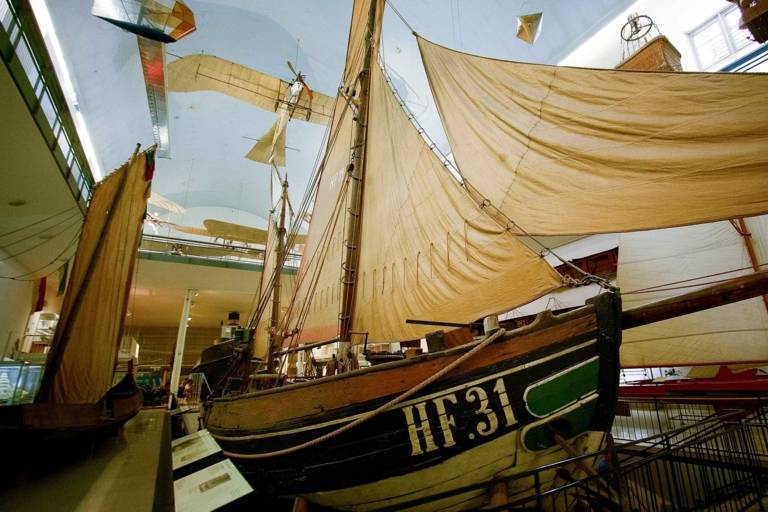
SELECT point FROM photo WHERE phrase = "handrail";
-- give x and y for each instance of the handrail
(23, 50)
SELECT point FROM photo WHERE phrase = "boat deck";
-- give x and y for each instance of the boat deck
(126, 472)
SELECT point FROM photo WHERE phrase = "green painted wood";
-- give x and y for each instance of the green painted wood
(568, 425)
(547, 397)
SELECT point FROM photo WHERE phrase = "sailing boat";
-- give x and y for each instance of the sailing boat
(76, 393)
(395, 236)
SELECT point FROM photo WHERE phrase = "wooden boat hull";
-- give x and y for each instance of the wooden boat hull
(493, 414)
(41, 421)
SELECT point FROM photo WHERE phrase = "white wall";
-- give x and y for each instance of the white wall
(15, 305)
(674, 18)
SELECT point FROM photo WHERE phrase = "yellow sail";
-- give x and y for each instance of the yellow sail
(84, 349)
(428, 251)
(578, 151)
(316, 309)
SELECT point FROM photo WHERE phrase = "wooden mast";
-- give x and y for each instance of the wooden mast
(733, 290)
(746, 236)
(274, 337)
(356, 172)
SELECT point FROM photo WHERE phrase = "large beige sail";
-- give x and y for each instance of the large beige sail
(316, 309)
(428, 251)
(733, 333)
(578, 151)
(84, 349)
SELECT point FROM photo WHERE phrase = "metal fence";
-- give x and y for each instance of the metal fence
(703, 459)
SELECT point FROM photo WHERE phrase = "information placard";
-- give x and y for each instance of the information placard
(210, 488)
(188, 449)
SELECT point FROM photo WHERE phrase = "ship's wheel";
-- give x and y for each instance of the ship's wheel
(637, 27)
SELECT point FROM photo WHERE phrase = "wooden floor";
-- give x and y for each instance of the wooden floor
(122, 472)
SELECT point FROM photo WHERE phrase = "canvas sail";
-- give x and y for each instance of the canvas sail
(580, 151)
(732, 333)
(442, 258)
(84, 349)
(315, 312)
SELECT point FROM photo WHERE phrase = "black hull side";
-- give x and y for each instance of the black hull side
(396, 442)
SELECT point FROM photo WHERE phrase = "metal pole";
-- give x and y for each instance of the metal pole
(180, 339)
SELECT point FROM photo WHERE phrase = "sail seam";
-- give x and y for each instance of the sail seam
(486, 203)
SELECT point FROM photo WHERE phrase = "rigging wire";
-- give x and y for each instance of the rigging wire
(669, 286)
(310, 193)
(485, 203)
(394, 9)
(40, 244)
(19, 277)
(24, 228)
(48, 235)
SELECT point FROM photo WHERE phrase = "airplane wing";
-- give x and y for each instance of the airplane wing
(211, 73)
(166, 204)
(230, 231)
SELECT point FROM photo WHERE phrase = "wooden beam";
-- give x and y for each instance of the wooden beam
(743, 230)
(734, 290)
(436, 322)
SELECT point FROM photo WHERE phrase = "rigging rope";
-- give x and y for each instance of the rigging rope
(370, 415)
(47, 236)
(24, 228)
(485, 203)
(43, 242)
(73, 241)
(394, 9)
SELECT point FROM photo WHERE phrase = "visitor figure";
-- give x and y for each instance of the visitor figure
(333, 366)
(352, 363)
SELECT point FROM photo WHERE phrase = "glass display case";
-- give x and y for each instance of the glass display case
(19, 382)
(40, 330)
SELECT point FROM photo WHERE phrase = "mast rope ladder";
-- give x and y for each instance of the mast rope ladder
(490, 338)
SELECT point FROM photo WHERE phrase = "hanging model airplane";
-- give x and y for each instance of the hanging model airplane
(155, 23)
(289, 99)
(227, 231)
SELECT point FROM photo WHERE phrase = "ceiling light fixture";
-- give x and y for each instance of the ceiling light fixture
(43, 17)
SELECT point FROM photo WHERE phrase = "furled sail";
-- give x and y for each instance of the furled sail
(733, 333)
(578, 151)
(287, 288)
(443, 257)
(315, 312)
(84, 349)
(264, 303)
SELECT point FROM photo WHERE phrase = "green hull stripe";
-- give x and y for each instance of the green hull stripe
(568, 425)
(553, 394)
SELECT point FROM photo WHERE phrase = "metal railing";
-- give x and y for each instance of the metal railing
(24, 53)
(210, 251)
(716, 461)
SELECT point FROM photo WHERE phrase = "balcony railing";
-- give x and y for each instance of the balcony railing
(23, 52)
